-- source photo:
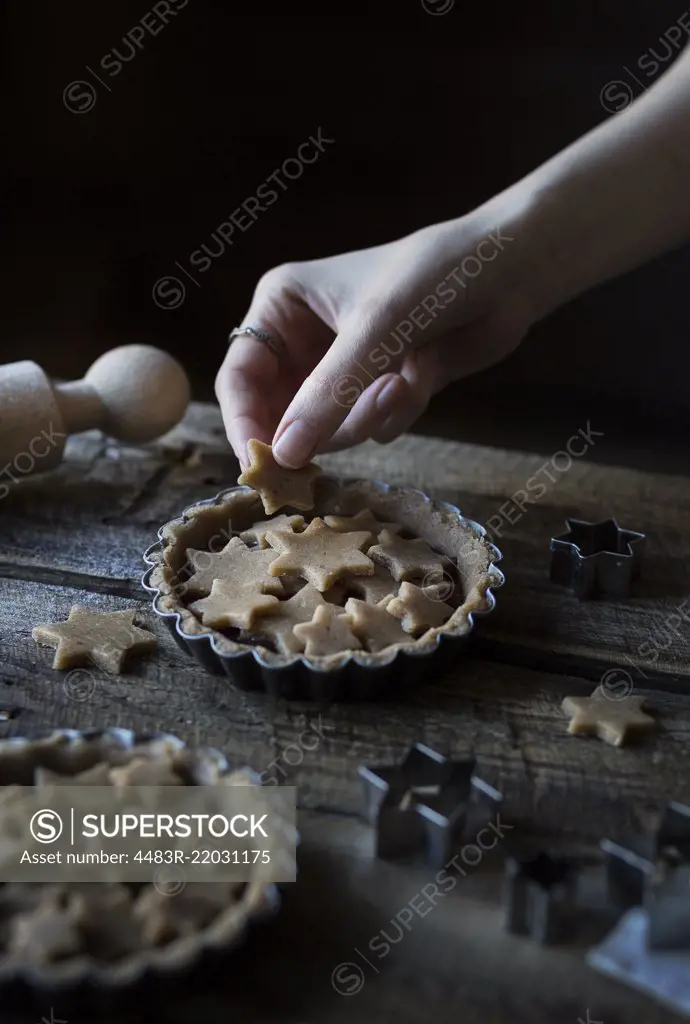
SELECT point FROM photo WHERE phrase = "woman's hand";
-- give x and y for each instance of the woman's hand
(370, 336)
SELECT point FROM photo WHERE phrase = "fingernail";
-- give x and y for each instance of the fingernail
(296, 445)
(386, 394)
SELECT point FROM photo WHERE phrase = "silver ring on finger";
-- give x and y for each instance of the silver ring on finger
(275, 345)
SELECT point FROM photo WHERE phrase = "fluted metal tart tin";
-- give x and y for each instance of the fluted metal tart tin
(69, 749)
(356, 675)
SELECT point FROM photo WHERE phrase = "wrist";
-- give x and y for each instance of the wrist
(533, 267)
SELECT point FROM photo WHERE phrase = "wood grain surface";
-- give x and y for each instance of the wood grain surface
(78, 535)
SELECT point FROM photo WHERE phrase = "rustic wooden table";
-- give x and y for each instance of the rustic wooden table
(77, 535)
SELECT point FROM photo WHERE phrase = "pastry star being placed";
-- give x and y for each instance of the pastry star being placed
(105, 638)
(375, 625)
(419, 607)
(256, 534)
(279, 624)
(233, 604)
(611, 720)
(406, 558)
(276, 485)
(328, 632)
(320, 555)
(235, 561)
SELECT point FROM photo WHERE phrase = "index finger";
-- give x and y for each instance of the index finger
(358, 357)
(248, 370)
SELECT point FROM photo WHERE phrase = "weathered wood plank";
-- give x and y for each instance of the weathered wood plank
(117, 497)
(508, 718)
(337, 952)
(78, 535)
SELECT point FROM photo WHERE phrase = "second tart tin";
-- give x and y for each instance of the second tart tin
(68, 751)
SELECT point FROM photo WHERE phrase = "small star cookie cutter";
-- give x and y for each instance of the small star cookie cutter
(668, 909)
(674, 830)
(629, 867)
(539, 895)
(596, 559)
(423, 805)
(636, 866)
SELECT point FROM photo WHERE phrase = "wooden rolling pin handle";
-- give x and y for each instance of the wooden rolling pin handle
(80, 406)
(135, 393)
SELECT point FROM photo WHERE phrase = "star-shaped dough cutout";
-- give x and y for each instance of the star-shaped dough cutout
(107, 897)
(47, 934)
(280, 623)
(364, 520)
(277, 486)
(164, 917)
(256, 534)
(320, 555)
(142, 771)
(156, 917)
(419, 608)
(374, 624)
(374, 588)
(105, 638)
(11, 795)
(610, 719)
(99, 775)
(236, 562)
(405, 559)
(328, 632)
(233, 604)
(104, 914)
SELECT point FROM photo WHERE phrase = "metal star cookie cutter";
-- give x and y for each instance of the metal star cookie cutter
(539, 895)
(668, 910)
(674, 830)
(668, 895)
(633, 867)
(644, 873)
(596, 559)
(423, 804)
(629, 867)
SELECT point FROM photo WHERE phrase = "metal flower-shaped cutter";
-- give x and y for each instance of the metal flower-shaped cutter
(424, 804)
(596, 559)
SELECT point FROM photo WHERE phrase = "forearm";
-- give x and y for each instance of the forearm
(616, 198)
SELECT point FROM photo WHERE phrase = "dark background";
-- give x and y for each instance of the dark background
(430, 116)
